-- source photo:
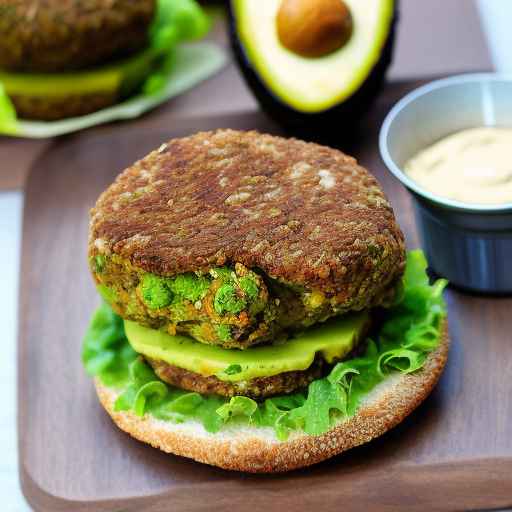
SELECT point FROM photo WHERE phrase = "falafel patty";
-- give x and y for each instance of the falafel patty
(47, 108)
(236, 238)
(56, 35)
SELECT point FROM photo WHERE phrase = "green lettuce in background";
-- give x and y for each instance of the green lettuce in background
(175, 21)
(178, 67)
(410, 331)
(7, 113)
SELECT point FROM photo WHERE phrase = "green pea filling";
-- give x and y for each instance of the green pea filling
(249, 287)
(190, 302)
(190, 286)
(227, 301)
(156, 292)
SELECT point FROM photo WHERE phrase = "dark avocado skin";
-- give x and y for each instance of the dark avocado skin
(335, 124)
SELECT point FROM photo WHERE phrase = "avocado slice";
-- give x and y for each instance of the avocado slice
(314, 93)
(333, 339)
(119, 78)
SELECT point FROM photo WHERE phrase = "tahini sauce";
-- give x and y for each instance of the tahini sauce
(472, 166)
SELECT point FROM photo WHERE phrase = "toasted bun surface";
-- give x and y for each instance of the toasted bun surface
(256, 449)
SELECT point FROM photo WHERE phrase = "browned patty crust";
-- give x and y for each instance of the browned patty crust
(49, 108)
(301, 213)
(61, 35)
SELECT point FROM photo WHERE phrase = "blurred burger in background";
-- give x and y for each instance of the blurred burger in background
(66, 58)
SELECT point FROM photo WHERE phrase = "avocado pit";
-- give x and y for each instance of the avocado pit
(314, 28)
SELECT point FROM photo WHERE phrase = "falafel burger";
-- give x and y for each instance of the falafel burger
(66, 58)
(260, 312)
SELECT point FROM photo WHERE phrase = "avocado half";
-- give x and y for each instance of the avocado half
(318, 97)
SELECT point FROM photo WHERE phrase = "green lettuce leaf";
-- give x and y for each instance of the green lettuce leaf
(146, 392)
(8, 122)
(410, 331)
(178, 20)
(105, 351)
(237, 406)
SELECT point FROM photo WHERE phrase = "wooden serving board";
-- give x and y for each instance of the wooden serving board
(453, 453)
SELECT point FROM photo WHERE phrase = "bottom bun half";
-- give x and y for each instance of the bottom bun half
(256, 449)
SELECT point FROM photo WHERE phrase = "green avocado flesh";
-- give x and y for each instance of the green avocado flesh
(313, 84)
(112, 78)
(410, 330)
(333, 339)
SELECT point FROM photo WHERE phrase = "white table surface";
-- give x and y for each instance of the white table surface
(497, 20)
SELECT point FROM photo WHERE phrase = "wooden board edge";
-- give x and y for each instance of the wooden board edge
(444, 487)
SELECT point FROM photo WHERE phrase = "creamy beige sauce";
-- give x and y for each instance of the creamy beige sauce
(472, 166)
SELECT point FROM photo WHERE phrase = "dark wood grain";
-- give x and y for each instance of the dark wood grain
(434, 37)
(453, 453)
(17, 157)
